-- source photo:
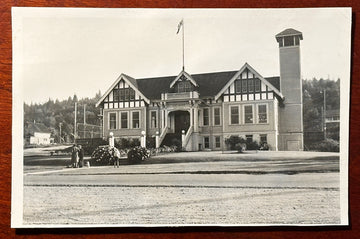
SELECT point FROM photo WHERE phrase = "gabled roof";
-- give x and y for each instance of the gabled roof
(187, 75)
(130, 81)
(247, 66)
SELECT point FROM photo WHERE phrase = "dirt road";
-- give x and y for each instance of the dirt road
(218, 192)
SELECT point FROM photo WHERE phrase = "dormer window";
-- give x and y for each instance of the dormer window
(183, 86)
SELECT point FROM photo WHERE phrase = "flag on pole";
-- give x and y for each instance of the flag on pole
(181, 23)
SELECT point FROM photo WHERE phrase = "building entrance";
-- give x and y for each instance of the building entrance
(182, 121)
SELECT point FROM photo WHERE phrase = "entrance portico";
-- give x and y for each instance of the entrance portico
(181, 117)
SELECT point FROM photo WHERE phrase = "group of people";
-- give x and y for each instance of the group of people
(77, 156)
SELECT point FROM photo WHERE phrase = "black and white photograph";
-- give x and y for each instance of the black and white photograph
(180, 117)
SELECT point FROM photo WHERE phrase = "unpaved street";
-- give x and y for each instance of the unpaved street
(216, 192)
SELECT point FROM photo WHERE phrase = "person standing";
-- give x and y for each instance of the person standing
(116, 156)
(74, 156)
(81, 156)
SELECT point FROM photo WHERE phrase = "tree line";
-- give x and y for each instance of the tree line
(52, 114)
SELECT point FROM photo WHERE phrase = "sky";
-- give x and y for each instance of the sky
(59, 52)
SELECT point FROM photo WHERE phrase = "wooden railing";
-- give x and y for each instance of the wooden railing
(163, 134)
(187, 136)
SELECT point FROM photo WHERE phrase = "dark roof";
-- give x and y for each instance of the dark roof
(132, 80)
(209, 84)
(275, 81)
(289, 32)
(31, 128)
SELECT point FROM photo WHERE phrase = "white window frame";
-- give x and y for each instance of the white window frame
(267, 113)
(253, 113)
(209, 115)
(156, 119)
(116, 120)
(239, 118)
(128, 119)
(217, 136)
(209, 142)
(217, 107)
(131, 120)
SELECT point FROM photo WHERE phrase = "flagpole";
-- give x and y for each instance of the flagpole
(183, 40)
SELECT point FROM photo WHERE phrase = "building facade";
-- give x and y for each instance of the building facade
(202, 110)
(37, 134)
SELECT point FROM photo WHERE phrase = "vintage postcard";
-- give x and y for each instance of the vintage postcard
(180, 117)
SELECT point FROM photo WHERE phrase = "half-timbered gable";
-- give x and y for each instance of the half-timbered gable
(184, 82)
(248, 85)
(123, 94)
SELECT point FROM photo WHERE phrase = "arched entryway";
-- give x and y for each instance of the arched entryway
(182, 121)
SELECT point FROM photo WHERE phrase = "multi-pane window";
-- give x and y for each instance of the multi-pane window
(187, 86)
(136, 119)
(262, 114)
(244, 85)
(124, 120)
(127, 94)
(206, 142)
(248, 114)
(238, 86)
(206, 116)
(263, 138)
(153, 119)
(217, 142)
(234, 118)
(251, 85)
(132, 94)
(216, 116)
(112, 120)
(257, 85)
(116, 95)
(122, 94)
(184, 86)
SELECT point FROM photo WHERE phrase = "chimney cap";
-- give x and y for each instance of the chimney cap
(289, 32)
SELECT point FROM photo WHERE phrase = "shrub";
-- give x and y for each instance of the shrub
(137, 154)
(232, 141)
(328, 145)
(252, 145)
(240, 144)
(102, 156)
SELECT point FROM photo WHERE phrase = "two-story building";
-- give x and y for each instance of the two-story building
(204, 109)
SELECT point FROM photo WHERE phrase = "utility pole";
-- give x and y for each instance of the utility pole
(75, 122)
(84, 113)
(324, 125)
(60, 124)
(84, 131)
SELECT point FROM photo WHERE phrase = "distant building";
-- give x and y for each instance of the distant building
(38, 134)
(332, 116)
(202, 110)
